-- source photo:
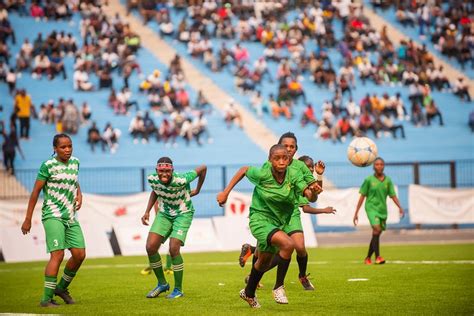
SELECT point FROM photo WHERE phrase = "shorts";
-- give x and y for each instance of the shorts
(376, 219)
(294, 225)
(62, 235)
(263, 229)
(172, 226)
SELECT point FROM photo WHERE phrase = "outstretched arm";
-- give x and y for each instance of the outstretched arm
(311, 210)
(26, 226)
(201, 172)
(151, 202)
(222, 196)
(359, 204)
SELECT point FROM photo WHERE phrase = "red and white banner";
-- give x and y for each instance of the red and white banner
(440, 205)
(345, 203)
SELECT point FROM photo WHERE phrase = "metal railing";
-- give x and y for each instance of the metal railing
(129, 180)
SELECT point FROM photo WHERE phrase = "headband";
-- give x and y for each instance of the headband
(164, 166)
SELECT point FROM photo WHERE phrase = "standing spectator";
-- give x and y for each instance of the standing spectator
(11, 80)
(23, 106)
(257, 103)
(9, 147)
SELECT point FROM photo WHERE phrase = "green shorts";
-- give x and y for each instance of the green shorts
(172, 226)
(263, 229)
(62, 235)
(294, 225)
(376, 219)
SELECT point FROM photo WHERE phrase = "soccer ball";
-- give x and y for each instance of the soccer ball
(362, 151)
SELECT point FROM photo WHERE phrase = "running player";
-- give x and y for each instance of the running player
(172, 221)
(376, 188)
(58, 178)
(277, 189)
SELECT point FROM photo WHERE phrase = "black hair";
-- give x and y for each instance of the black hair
(57, 137)
(56, 140)
(305, 159)
(164, 160)
(275, 148)
(379, 158)
(288, 135)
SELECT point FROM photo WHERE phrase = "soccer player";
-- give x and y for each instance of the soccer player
(58, 178)
(172, 221)
(277, 190)
(248, 249)
(376, 188)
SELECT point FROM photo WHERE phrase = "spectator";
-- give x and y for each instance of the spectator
(94, 137)
(9, 147)
(150, 128)
(23, 107)
(137, 129)
(167, 132)
(257, 103)
(232, 115)
(432, 111)
(111, 136)
(11, 80)
(390, 126)
(85, 113)
(42, 66)
(460, 89)
(471, 121)
(81, 80)
(308, 116)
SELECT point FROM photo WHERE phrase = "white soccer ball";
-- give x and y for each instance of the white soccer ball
(362, 151)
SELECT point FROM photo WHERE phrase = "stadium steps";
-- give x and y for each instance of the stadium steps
(258, 132)
(10, 186)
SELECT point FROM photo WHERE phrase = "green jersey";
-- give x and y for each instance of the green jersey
(276, 201)
(60, 189)
(376, 192)
(175, 197)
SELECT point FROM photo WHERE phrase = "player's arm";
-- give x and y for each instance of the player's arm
(359, 204)
(319, 167)
(78, 197)
(201, 172)
(400, 208)
(312, 210)
(239, 175)
(151, 201)
(39, 184)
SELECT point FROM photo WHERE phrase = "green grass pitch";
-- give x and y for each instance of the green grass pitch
(443, 285)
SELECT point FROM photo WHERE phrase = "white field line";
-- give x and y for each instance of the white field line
(228, 263)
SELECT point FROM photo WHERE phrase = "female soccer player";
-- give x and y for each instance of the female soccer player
(376, 188)
(172, 221)
(277, 190)
(58, 178)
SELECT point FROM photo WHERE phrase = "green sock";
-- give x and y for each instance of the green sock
(178, 267)
(155, 264)
(49, 287)
(168, 262)
(66, 279)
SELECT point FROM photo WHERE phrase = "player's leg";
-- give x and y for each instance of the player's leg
(55, 236)
(159, 232)
(286, 245)
(256, 274)
(181, 225)
(169, 263)
(302, 259)
(75, 243)
(376, 233)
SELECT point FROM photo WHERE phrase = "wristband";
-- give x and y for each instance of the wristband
(319, 177)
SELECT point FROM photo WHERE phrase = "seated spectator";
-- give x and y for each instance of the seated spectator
(123, 98)
(105, 78)
(432, 111)
(42, 66)
(366, 123)
(308, 116)
(85, 113)
(36, 10)
(343, 128)
(57, 65)
(323, 131)
(94, 138)
(200, 128)
(461, 89)
(232, 115)
(111, 136)
(417, 116)
(295, 89)
(390, 126)
(81, 80)
(257, 103)
(167, 132)
(137, 129)
(278, 108)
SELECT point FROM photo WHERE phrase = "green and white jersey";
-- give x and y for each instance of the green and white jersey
(175, 197)
(60, 189)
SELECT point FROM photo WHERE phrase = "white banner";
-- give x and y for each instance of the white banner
(345, 203)
(238, 204)
(440, 206)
